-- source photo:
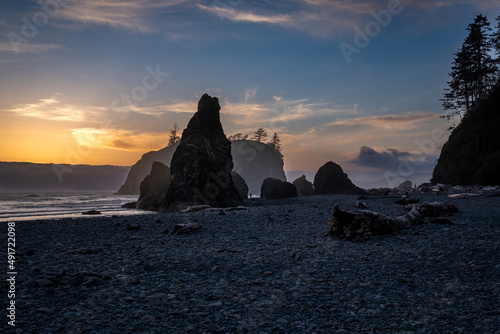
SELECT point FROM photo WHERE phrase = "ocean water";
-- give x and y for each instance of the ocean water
(35, 206)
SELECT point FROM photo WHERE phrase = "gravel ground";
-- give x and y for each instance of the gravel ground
(267, 269)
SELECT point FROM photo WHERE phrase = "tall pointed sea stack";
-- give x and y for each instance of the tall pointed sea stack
(202, 164)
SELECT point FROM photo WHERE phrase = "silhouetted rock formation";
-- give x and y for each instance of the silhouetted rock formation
(275, 189)
(254, 162)
(202, 163)
(304, 187)
(472, 154)
(406, 185)
(240, 185)
(154, 187)
(142, 168)
(331, 179)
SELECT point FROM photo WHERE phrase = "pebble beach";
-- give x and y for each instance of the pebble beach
(270, 268)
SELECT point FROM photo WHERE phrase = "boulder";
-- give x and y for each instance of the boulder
(202, 163)
(331, 179)
(154, 187)
(240, 185)
(276, 189)
(304, 187)
(406, 185)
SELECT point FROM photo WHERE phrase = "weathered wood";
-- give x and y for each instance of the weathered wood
(186, 228)
(355, 224)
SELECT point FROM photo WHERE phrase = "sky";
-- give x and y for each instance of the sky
(355, 82)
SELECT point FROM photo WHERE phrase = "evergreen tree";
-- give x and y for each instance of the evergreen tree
(175, 135)
(473, 70)
(260, 135)
(238, 136)
(275, 144)
(495, 43)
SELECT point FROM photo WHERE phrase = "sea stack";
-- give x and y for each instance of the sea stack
(331, 179)
(202, 163)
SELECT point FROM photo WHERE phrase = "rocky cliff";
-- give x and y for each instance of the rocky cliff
(31, 177)
(472, 154)
(254, 162)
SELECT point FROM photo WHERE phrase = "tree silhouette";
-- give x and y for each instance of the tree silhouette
(237, 136)
(473, 70)
(260, 135)
(175, 135)
(275, 144)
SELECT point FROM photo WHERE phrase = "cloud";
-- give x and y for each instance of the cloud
(389, 159)
(327, 18)
(236, 15)
(125, 14)
(54, 109)
(119, 139)
(392, 122)
(28, 47)
(393, 160)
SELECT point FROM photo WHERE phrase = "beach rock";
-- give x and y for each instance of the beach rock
(133, 227)
(91, 212)
(202, 164)
(240, 185)
(331, 179)
(129, 205)
(471, 156)
(406, 185)
(275, 189)
(303, 186)
(154, 187)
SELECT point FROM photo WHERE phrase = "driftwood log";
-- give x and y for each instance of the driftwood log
(355, 224)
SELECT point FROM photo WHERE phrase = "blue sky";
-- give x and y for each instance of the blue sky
(277, 65)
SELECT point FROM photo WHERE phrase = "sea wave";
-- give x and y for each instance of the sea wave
(35, 206)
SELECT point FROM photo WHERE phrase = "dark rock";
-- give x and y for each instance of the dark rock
(472, 154)
(133, 227)
(91, 212)
(275, 189)
(406, 185)
(304, 187)
(130, 205)
(240, 185)
(143, 167)
(202, 164)
(154, 187)
(331, 179)
(254, 162)
(45, 283)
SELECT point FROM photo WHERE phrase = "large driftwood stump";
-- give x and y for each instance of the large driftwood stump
(355, 224)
